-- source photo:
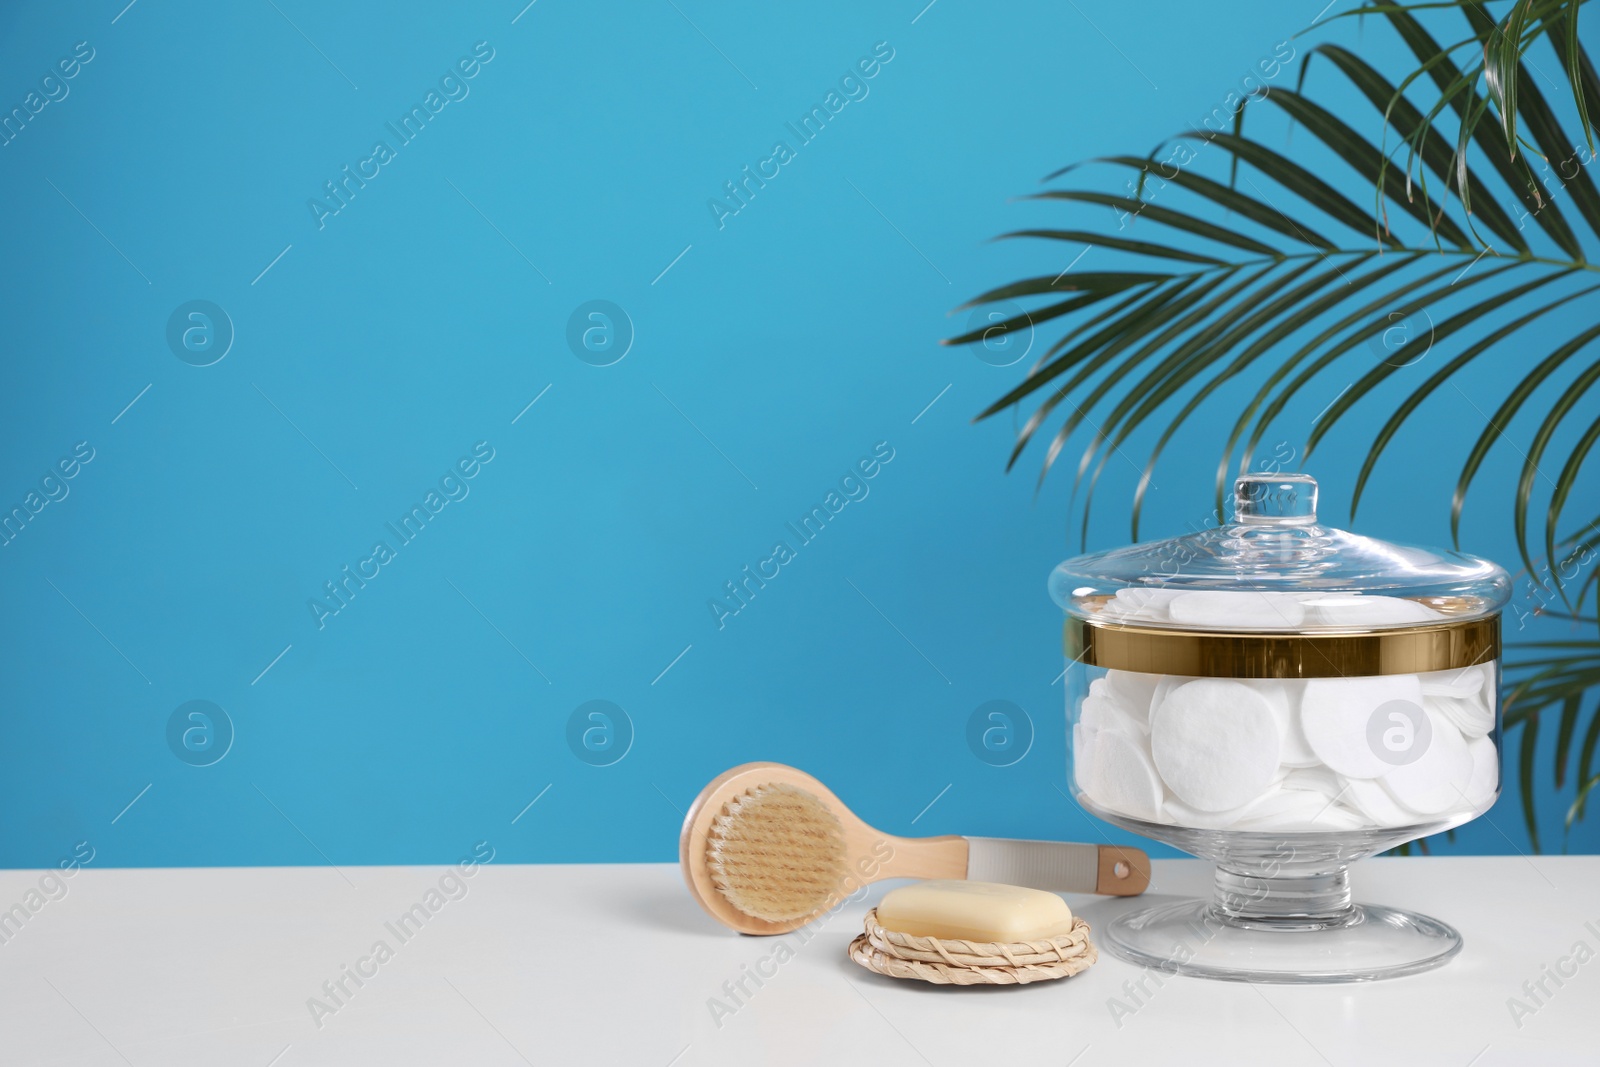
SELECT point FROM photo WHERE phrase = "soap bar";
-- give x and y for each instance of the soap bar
(974, 911)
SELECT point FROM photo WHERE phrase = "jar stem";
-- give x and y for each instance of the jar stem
(1299, 901)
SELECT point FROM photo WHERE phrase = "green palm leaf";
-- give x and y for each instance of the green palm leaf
(1458, 88)
(1519, 394)
(1408, 122)
(1476, 184)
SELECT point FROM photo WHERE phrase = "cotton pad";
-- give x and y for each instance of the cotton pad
(1485, 778)
(1297, 810)
(1083, 758)
(1140, 603)
(1123, 779)
(1101, 712)
(1283, 807)
(1244, 610)
(1366, 795)
(1316, 780)
(1132, 692)
(1347, 609)
(1097, 713)
(1437, 780)
(1164, 688)
(1336, 714)
(1215, 743)
(1176, 811)
(1469, 716)
(1490, 695)
(1284, 699)
(1195, 751)
(1465, 684)
(1339, 817)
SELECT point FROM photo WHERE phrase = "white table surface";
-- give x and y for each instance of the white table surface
(617, 965)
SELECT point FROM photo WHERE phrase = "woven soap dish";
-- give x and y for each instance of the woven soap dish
(952, 962)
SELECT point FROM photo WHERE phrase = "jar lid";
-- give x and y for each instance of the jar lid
(1275, 569)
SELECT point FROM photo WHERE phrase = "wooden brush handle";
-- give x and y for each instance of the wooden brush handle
(1124, 871)
(912, 857)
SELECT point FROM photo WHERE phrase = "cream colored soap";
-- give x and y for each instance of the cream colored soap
(974, 911)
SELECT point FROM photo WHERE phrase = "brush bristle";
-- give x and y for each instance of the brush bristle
(777, 853)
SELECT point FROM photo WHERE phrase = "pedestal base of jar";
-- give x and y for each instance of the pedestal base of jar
(1201, 939)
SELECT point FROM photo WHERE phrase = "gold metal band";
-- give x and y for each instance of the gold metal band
(1438, 647)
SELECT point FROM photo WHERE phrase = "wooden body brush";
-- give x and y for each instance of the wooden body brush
(767, 848)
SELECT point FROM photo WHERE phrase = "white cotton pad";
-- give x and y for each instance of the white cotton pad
(1083, 758)
(1097, 713)
(1176, 811)
(1101, 712)
(1108, 708)
(1132, 692)
(1294, 810)
(1463, 684)
(1366, 795)
(1283, 807)
(1164, 688)
(1365, 609)
(1224, 610)
(1339, 817)
(1215, 742)
(1437, 781)
(1485, 778)
(1469, 716)
(1141, 603)
(1315, 780)
(1491, 685)
(1284, 700)
(1336, 713)
(1123, 779)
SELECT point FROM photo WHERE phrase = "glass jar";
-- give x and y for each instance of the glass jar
(1282, 698)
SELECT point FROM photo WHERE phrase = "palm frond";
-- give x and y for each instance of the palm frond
(1553, 685)
(1480, 212)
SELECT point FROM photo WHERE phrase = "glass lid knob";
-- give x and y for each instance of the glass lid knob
(1275, 499)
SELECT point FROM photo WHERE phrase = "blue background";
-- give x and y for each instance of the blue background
(768, 357)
